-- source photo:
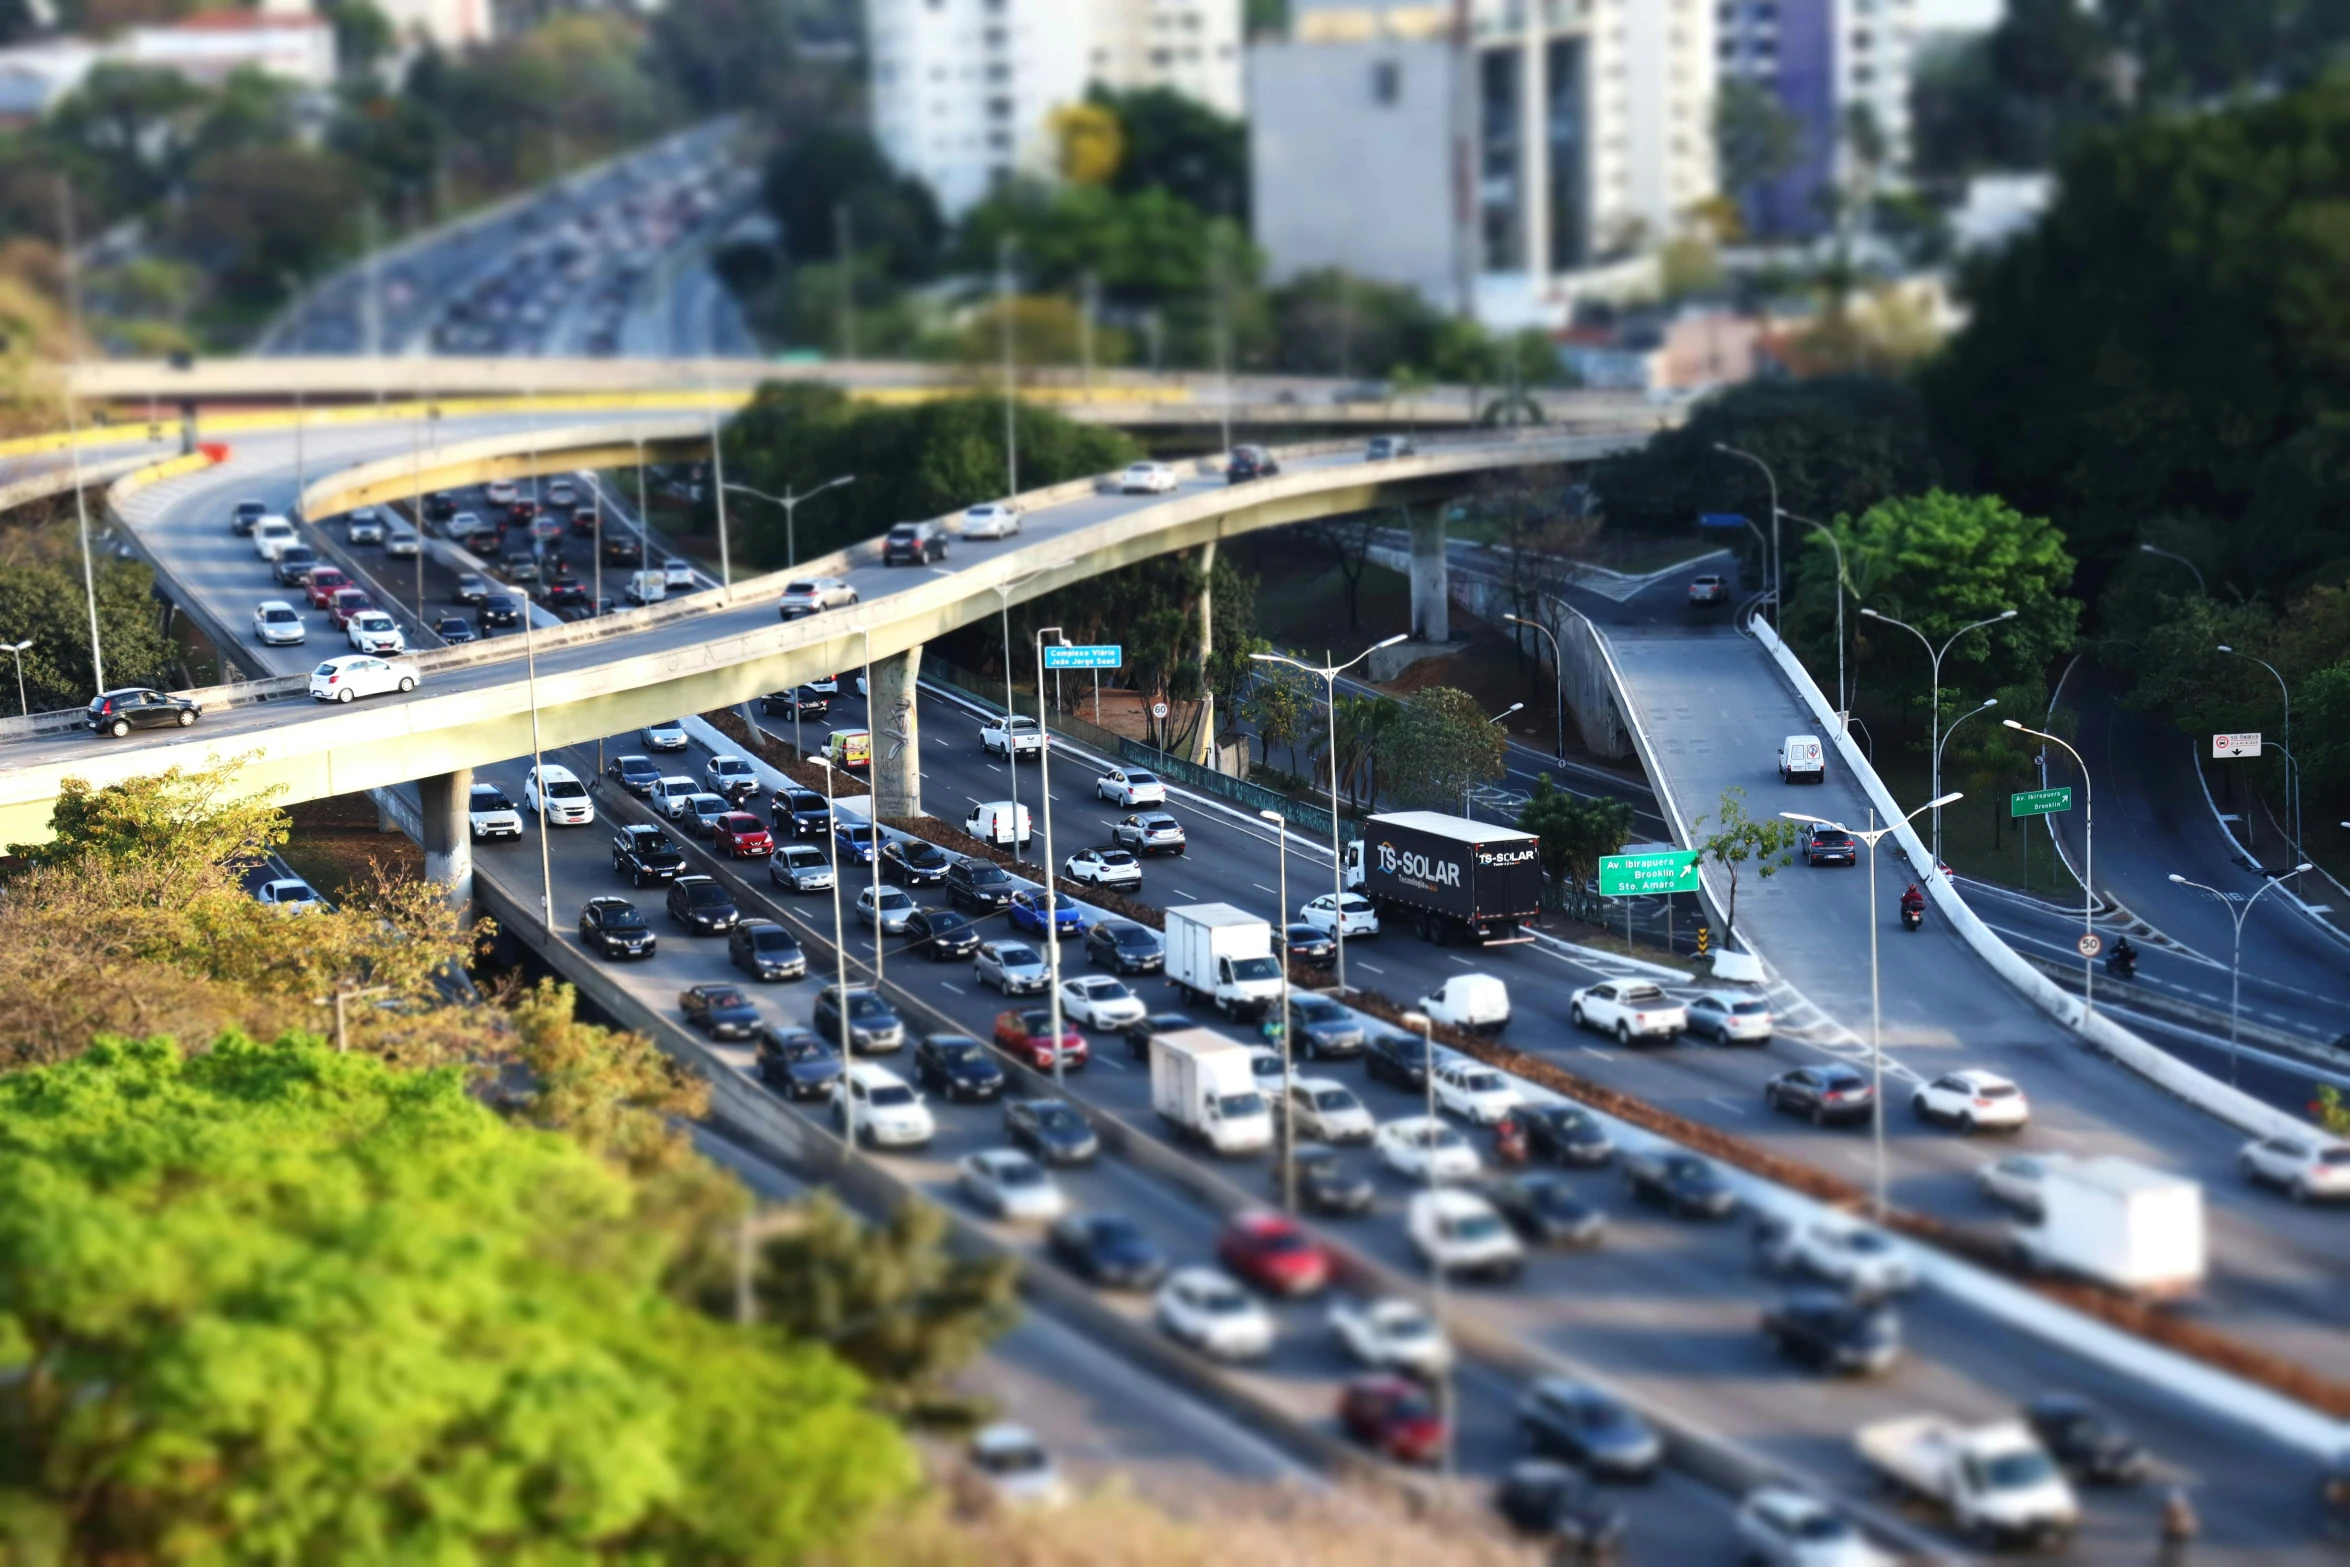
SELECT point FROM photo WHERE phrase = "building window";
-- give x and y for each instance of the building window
(999, 73)
(999, 108)
(999, 141)
(1386, 82)
(993, 38)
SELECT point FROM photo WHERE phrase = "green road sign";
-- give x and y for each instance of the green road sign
(2040, 802)
(1631, 875)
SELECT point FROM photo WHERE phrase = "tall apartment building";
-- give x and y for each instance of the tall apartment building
(1496, 156)
(1822, 60)
(964, 91)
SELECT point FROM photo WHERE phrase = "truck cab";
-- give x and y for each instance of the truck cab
(1218, 953)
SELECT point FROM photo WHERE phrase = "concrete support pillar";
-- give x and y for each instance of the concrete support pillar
(448, 834)
(1203, 752)
(1431, 586)
(897, 737)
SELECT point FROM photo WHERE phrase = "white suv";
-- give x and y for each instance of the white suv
(1455, 1231)
(1630, 1009)
(1971, 1100)
(566, 798)
(874, 1106)
(1203, 1308)
(991, 520)
(373, 631)
(2309, 1167)
(1470, 1088)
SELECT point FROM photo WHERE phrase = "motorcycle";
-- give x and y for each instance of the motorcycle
(1509, 1141)
(2122, 963)
(1913, 915)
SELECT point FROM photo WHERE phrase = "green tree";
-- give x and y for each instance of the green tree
(255, 214)
(894, 223)
(1146, 247)
(1174, 143)
(1329, 322)
(1737, 838)
(269, 1300)
(1442, 746)
(1280, 707)
(1756, 145)
(131, 125)
(1575, 832)
(42, 600)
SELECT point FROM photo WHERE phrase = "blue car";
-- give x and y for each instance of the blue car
(853, 842)
(1028, 914)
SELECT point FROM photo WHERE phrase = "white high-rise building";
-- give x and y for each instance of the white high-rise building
(964, 91)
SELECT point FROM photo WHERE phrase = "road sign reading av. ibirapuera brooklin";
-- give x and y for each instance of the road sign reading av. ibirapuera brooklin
(1083, 655)
(1647, 872)
(2040, 802)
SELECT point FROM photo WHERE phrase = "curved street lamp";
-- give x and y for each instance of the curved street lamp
(1934, 697)
(2239, 912)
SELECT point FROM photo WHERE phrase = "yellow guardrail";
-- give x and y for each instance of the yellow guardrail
(138, 479)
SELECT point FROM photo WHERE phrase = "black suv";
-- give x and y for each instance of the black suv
(1833, 1331)
(1557, 1502)
(958, 1066)
(1680, 1182)
(1250, 462)
(1326, 1186)
(1565, 1134)
(140, 707)
(1126, 947)
(979, 884)
(637, 774)
(1830, 846)
(801, 812)
(500, 609)
(1050, 1131)
(614, 927)
(1401, 1059)
(1138, 1033)
(914, 544)
(1325, 1030)
(796, 1063)
(721, 1011)
(799, 703)
(644, 854)
(873, 1025)
(765, 950)
(913, 862)
(702, 905)
(941, 935)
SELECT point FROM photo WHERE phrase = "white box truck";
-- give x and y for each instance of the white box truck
(1218, 953)
(2120, 1224)
(1206, 1086)
(1996, 1481)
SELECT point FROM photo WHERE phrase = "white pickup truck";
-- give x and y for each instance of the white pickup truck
(1011, 737)
(1997, 1482)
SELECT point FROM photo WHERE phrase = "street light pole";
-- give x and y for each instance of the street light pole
(2292, 772)
(1934, 697)
(1773, 480)
(1558, 669)
(1989, 703)
(1871, 834)
(2184, 561)
(1003, 308)
(840, 955)
(873, 805)
(791, 505)
(1843, 586)
(1495, 719)
(1419, 1024)
(2088, 863)
(1288, 1109)
(2239, 913)
(1329, 674)
(1052, 875)
(17, 650)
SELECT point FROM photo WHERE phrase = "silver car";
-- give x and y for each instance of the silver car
(366, 526)
(701, 812)
(663, 737)
(811, 595)
(1013, 967)
(800, 867)
(887, 907)
(1731, 1020)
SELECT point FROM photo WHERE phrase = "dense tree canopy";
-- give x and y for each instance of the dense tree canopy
(1172, 142)
(827, 172)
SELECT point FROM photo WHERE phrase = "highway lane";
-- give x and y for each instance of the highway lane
(1666, 1307)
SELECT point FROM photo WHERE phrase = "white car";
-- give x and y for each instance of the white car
(1779, 1526)
(288, 895)
(2310, 1167)
(1146, 478)
(400, 542)
(271, 535)
(992, 520)
(1857, 1258)
(562, 492)
(1326, 1110)
(1332, 915)
(1731, 1020)
(1130, 786)
(1204, 1309)
(1112, 868)
(1471, 1089)
(277, 623)
(825, 685)
(1016, 1467)
(501, 492)
(887, 907)
(677, 573)
(354, 675)
(2019, 1180)
(732, 776)
(373, 631)
(1477, 1002)
(366, 526)
(490, 814)
(811, 595)
(1460, 1232)
(670, 795)
(1098, 1001)
(1391, 1334)
(565, 797)
(464, 525)
(884, 1111)
(1009, 1185)
(1417, 1145)
(663, 737)
(1972, 1100)
(1629, 1009)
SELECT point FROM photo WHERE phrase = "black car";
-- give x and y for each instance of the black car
(914, 544)
(766, 951)
(117, 713)
(294, 564)
(1588, 1427)
(958, 1066)
(1401, 1059)
(721, 1011)
(454, 630)
(1138, 1033)
(799, 703)
(1326, 1186)
(1310, 944)
(1830, 846)
(1833, 1331)
(570, 596)
(501, 609)
(2086, 1440)
(636, 774)
(614, 927)
(1821, 1094)
(941, 935)
(439, 506)
(801, 812)
(873, 1024)
(1126, 947)
(1108, 1250)
(913, 863)
(796, 1063)
(978, 884)
(623, 549)
(646, 854)
(1680, 1182)
(1565, 1135)
(1544, 1208)
(1323, 1029)
(1557, 1503)
(702, 905)
(1249, 462)
(1050, 1131)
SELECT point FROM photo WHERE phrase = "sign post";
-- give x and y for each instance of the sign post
(2040, 802)
(1084, 655)
(2227, 748)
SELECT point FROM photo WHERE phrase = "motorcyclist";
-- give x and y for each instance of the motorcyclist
(1913, 902)
(2125, 956)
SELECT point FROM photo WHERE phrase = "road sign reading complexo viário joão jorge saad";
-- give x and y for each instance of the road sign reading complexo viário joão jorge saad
(1084, 655)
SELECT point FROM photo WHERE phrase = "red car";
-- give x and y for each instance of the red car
(325, 583)
(1273, 1253)
(743, 836)
(1393, 1417)
(346, 603)
(1029, 1035)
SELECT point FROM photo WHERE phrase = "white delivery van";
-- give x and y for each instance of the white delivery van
(999, 822)
(1802, 760)
(1479, 1003)
(646, 587)
(1218, 953)
(1206, 1086)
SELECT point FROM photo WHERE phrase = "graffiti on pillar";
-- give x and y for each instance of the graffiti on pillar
(899, 729)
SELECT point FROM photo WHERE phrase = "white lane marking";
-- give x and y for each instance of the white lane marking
(1261, 887)
(951, 985)
(1594, 1050)
(1180, 893)
(1373, 967)
(1463, 962)
(1730, 1105)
